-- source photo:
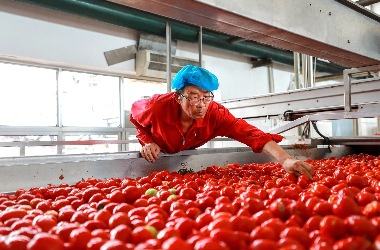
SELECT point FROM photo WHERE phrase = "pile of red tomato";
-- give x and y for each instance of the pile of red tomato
(255, 206)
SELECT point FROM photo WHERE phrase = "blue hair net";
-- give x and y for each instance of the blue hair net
(193, 75)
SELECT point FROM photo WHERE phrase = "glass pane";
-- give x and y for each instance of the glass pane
(28, 96)
(134, 146)
(368, 126)
(139, 89)
(40, 150)
(9, 151)
(29, 151)
(90, 100)
(87, 149)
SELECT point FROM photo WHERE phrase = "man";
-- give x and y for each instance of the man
(188, 118)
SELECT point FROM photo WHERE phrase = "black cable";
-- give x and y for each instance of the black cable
(326, 140)
(287, 111)
(306, 129)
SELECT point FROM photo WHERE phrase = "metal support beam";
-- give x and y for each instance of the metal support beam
(271, 78)
(329, 116)
(200, 51)
(329, 77)
(347, 92)
(261, 62)
(122, 135)
(307, 71)
(356, 127)
(378, 125)
(59, 110)
(367, 2)
(296, 70)
(168, 58)
(360, 9)
(352, 38)
(303, 101)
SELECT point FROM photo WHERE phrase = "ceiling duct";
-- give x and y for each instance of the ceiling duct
(153, 64)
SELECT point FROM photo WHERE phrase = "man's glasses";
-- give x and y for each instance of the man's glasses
(195, 101)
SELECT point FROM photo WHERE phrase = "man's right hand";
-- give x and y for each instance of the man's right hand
(150, 151)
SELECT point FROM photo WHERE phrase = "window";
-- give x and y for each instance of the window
(135, 90)
(87, 149)
(9, 151)
(134, 146)
(41, 150)
(28, 96)
(29, 150)
(89, 104)
(89, 100)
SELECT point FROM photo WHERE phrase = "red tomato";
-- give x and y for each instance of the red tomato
(95, 243)
(175, 243)
(377, 242)
(14, 213)
(121, 232)
(118, 219)
(263, 245)
(275, 223)
(264, 233)
(361, 226)
(188, 193)
(45, 222)
(117, 196)
(184, 227)
(297, 234)
(131, 194)
(312, 223)
(262, 216)
(220, 223)
(277, 208)
(114, 245)
(16, 242)
(45, 241)
(203, 220)
(291, 243)
(125, 208)
(372, 209)
(167, 233)
(363, 198)
(323, 208)
(242, 223)
(210, 244)
(345, 206)
(226, 236)
(88, 193)
(141, 234)
(356, 181)
(79, 238)
(333, 226)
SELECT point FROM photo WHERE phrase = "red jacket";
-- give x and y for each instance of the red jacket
(157, 120)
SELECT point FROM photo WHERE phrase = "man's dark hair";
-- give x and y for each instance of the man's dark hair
(179, 92)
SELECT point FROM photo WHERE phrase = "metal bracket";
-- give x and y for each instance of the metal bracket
(373, 111)
(347, 74)
(120, 55)
(261, 62)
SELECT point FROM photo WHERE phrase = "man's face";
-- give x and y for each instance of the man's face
(198, 111)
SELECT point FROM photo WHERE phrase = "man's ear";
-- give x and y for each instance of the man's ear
(177, 98)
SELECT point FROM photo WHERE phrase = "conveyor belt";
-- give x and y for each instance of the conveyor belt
(27, 172)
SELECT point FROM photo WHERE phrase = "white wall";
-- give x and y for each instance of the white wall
(39, 33)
